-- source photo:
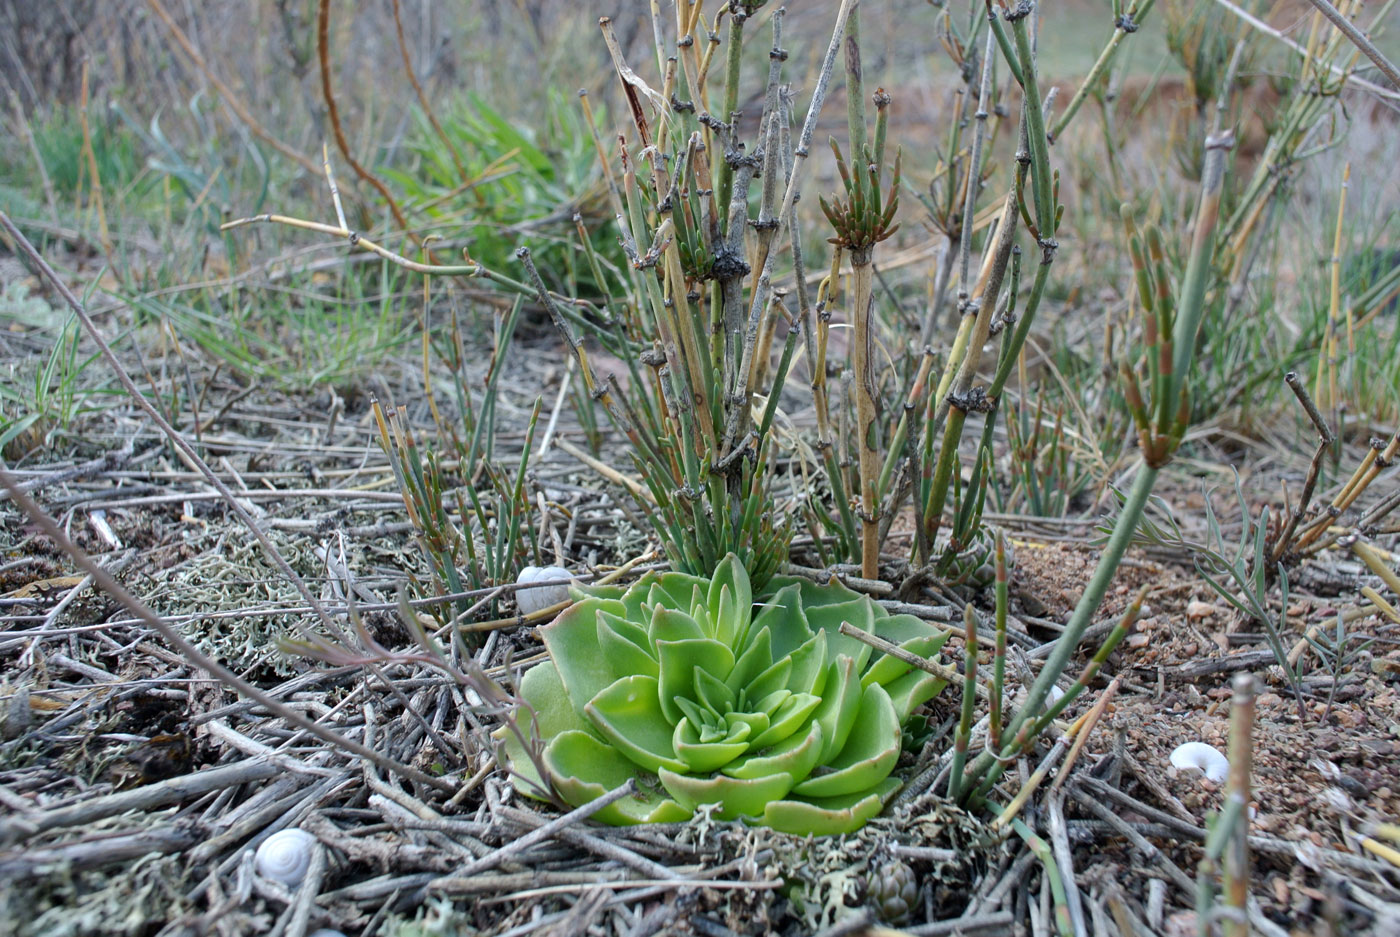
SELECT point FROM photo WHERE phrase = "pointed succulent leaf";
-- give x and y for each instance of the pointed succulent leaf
(676, 588)
(544, 691)
(788, 718)
(730, 574)
(783, 616)
(755, 659)
(809, 666)
(869, 755)
(840, 705)
(794, 756)
(736, 798)
(679, 661)
(702, 757)
(695, 712)
(712, 692)
(701, 613)
(769, 704)
(757, 722)
(670, 624)
(901, 628)
(633, 603)
(583, 768)
(726, 619)
(773, 679)
(911, 691)
(626, 646)
(547, 713)
(828, 816)
(628, 714)
(581, 593)
(830, 618)
(572, 641)
(887, 667)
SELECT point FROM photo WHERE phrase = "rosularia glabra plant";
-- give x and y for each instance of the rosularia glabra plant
(765, 713)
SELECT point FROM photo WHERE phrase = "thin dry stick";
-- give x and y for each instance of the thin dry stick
(225, 92)
(1237, 792)
(626, 789)
(914, 660)
(1358, 39)
(193, 654)
(1064, 856)
(423, 98)
(358, 240)
(323, 52)
(170, 791)
(1325, 438)
(1345, 74)
(595, 844)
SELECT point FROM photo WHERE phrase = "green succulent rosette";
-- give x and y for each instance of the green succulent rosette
(765, 711)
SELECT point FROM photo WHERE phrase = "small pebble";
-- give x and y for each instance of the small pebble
(1196, 609)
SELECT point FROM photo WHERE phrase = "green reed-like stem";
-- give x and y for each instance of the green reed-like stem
(1052, 872)
(1035, 130)
(969, 698)
(1188, 319)
(1122, 27)
(733, 55)
(999, 655)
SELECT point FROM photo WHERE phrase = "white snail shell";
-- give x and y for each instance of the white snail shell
(284, 856)
(326, 932)
(533, 599)
(1203, 758)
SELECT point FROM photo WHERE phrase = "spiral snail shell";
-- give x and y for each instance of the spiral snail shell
(284, 856)
(533, 599)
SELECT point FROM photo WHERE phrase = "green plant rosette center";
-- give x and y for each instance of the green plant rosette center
(764, 712)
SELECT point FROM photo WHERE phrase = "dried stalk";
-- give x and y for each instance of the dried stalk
(333, 112)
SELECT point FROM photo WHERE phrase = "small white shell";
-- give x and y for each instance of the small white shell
(325, 932)
(284, 856)
(533, 599)
(1203, 758)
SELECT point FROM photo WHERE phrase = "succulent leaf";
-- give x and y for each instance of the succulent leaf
(736, 797)
(712, 692)
(672, 624)
(809, 665)
(628, 713)
(573, 647)
(626, 646)
(868, 756)
(679, 661)
(830, 815)
(794, 756)
(839, 708)
(755, 659)
(702, 755)
(585, 768)
(769, 713)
